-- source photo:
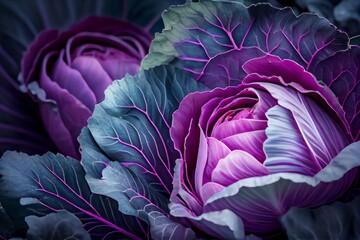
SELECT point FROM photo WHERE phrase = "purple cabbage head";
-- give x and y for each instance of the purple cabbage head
(273, 142)
(69, 71)
(279, 127)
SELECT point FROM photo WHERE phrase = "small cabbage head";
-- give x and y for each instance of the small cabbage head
(69, 72)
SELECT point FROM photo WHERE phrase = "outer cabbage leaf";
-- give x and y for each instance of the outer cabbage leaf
(336, 221)
(197, 34)
(56, 226)
(135, 198)
(132, 124)
(50, 183)
(127, 148)
(341, 73)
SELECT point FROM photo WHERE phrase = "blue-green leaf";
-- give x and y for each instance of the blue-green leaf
(127, 151)
(50, 183)
(112, 179)
(135, 198)
(132, 124)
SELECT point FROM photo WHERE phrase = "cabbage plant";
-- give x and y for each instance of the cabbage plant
(242, 123)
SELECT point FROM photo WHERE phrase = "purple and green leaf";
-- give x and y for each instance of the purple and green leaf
(198, 34)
